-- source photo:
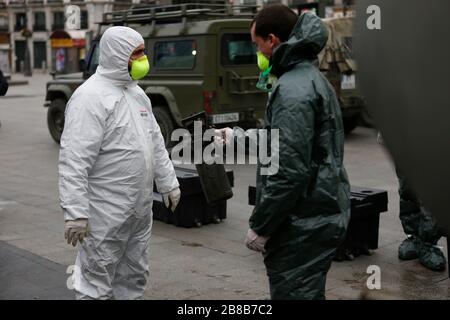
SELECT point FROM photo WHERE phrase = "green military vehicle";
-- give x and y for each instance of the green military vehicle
(337, 63)
(201, 59)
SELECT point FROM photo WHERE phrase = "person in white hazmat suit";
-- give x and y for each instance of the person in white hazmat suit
(111, 152)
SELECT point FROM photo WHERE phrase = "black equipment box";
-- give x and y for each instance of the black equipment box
(362, 232)
(193, 210)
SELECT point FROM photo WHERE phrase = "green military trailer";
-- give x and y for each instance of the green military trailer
(201, 59)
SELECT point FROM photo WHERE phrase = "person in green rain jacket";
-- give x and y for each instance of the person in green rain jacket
(302, 212)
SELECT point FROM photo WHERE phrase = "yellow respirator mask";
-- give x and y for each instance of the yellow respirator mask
(266, 80)
(139, 68)
(263, 61)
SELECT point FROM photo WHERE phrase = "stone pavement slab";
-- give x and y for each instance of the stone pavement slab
(27, 276)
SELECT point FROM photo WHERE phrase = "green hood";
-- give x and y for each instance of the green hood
(307, 39)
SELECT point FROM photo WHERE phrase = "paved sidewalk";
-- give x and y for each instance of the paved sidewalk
(24, 275)
(210, 262)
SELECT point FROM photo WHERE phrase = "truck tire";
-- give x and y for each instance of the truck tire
(165, 122)
(55, 118)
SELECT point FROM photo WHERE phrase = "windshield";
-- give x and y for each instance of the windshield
(93, 63)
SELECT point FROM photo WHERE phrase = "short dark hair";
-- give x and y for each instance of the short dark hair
(277, 19)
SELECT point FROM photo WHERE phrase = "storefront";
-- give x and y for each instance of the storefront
(68, 51)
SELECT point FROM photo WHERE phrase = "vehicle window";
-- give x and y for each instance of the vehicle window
(175, 54)
(237, 49)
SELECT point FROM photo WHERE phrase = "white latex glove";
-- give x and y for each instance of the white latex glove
(172, 198)
(223, 136)
(255, 242)
(75, 230)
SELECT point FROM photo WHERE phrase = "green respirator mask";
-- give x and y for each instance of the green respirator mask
(139, 68)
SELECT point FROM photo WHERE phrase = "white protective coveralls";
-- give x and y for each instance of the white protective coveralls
(111, 152)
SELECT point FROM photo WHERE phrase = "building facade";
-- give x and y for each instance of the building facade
(34, 34)
(35, 30)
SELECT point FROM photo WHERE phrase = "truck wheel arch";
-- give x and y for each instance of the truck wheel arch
(58, 92)
(162, 96)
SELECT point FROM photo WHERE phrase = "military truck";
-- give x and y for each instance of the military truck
(201, 59)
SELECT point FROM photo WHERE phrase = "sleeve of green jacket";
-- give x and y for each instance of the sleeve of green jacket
(293, 115)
